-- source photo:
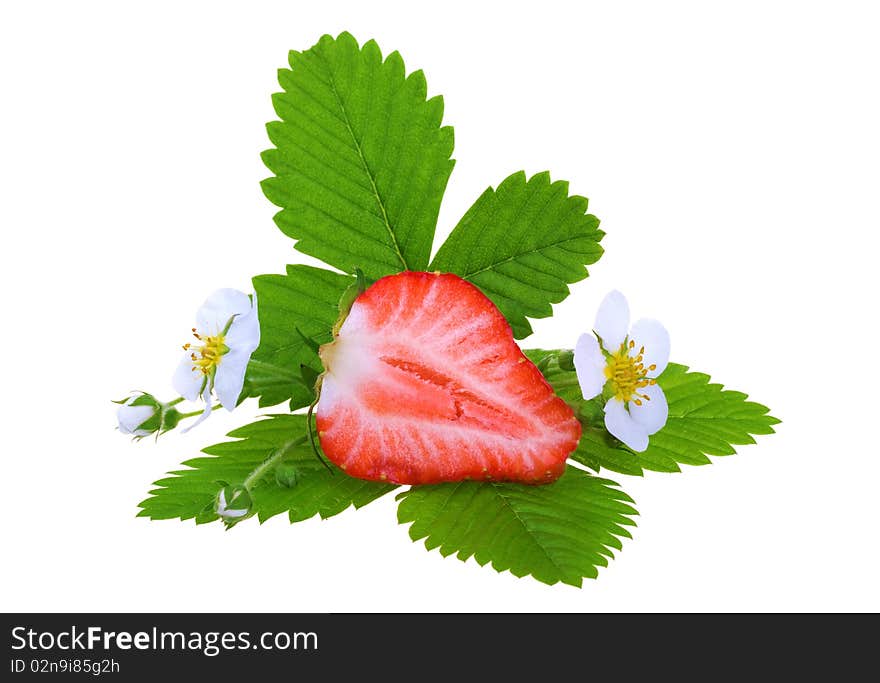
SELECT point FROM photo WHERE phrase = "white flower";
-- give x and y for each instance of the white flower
(131, 418)
(629, 361)
(227, 332)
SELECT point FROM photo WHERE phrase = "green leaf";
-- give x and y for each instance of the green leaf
(360, 159)
(274, 384)
(522, 244)
(564, 381)
(302, 303)
(189, 493)
(704, 419)
(556, 532)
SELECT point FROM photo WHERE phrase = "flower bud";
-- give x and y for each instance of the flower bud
(565, 359)
(142, 414)
(233, 504)
(287, 475)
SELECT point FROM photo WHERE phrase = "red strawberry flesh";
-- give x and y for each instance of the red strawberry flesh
(424, 383)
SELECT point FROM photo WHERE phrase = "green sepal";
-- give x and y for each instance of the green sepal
(362, 282)
(165, 416)
(237, 497)
(309, 375)
(607, 392)
(346, 301)
(164, 420)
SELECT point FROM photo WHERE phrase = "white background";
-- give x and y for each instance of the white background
(732, 153)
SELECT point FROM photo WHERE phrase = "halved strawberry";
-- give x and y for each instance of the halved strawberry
(424, 383)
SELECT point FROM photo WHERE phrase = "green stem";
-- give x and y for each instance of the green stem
(261, 469)
(199, 412)
(175, 401)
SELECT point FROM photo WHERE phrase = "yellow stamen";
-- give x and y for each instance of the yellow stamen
(628, 374)
(209, 354)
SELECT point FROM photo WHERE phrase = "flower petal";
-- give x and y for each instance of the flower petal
(612, 320)
(589, 364)
(130, 417)
(186, 381)
(229, 377)
(218, 308)
(619, 422)
(651, 335)
(244, 333)
(653, 412)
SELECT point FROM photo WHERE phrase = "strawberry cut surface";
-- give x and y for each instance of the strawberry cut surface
(424, 383)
